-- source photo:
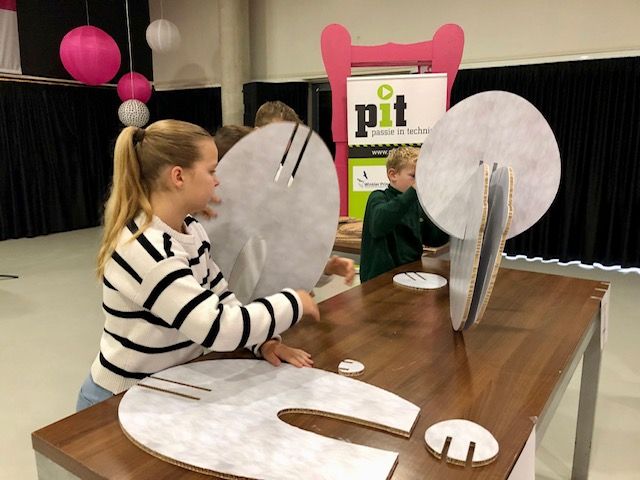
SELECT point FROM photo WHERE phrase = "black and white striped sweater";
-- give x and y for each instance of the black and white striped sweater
(165, 301)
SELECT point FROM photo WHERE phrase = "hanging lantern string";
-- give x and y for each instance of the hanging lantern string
(161, 9)
(133, 93)
(86, 6)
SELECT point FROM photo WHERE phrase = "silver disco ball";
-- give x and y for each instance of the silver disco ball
(133, 113)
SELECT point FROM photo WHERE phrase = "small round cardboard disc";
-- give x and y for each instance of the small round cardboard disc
(419, 280)
(460, 434)
(350, 368)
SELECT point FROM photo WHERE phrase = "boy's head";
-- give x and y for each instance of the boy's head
(227, 136)
(401, 167)
(276, 111)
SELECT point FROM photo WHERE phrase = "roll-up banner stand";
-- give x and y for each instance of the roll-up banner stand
(384, 112)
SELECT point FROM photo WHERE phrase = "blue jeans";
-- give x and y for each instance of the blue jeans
(90, 394)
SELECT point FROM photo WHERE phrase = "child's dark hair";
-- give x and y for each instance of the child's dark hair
(227, 136)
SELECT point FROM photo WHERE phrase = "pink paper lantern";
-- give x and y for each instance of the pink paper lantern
(90, 55)
(134, 86)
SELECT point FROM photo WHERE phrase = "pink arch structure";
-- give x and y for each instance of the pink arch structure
(443, 53)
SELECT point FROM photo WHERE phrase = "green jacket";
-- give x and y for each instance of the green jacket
(393, 232)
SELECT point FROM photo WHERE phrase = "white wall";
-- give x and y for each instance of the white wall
(285, 34)
(196, 62)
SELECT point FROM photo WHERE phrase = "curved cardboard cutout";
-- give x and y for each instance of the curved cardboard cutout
(222, 418)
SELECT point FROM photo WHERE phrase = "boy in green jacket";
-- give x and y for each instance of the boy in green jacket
(395, 227)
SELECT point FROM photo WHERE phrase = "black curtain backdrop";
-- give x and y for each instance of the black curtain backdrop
(593, 108)
(321, 113)
(56, 150)
(55, 164)
(201, 106)
(294, 94)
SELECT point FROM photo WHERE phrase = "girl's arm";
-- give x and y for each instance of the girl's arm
(170, 292)
(220, 287)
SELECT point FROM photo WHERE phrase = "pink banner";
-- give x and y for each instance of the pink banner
(8, 5)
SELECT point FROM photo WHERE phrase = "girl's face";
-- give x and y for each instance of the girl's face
(200, 178)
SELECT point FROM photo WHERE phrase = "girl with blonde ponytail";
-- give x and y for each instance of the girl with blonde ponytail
(128, 197)
(164, 298)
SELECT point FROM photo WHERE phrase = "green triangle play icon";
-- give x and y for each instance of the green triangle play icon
(385, 91)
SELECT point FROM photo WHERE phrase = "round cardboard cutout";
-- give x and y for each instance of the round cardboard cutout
(460, 434)
(277, 221)
(499, 129)
(221, 417)
(419, 280)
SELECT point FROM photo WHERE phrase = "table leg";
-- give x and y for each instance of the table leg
(587, 405)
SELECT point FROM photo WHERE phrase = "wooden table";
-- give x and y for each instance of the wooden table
(352, 247)
(507, 374)
(346, 247)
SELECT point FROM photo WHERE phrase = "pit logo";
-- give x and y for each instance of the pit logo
(368, 113)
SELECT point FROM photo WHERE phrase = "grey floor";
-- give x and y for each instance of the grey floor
(51, 321)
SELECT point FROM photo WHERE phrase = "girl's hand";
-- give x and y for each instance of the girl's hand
(309, 305)
(342, 267)
(275, 352)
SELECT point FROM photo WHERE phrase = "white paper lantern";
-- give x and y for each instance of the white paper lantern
(163, 36)
(133, 113)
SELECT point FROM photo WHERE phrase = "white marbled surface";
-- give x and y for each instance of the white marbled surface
(464, 252)
(495, 235)
(462, 432)
(419, 280)
(494, 128)
(270, 235)
(350, 367)
(234, 429)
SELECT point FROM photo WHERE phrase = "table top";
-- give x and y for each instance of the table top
(352, 246)
(500, 373)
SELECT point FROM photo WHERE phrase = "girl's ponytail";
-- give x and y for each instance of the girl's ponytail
(128, 194)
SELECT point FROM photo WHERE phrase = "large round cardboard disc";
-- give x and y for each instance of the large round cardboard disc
(494, 128)
(274, 228)
(495, 236)
(465, 251)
